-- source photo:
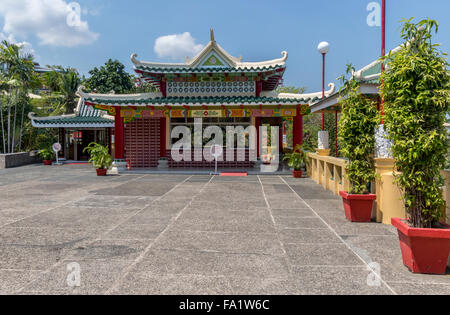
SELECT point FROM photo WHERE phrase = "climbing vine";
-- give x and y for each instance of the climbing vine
(416, 90)
(356, 133)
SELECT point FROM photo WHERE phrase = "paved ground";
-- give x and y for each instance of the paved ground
(180, 234)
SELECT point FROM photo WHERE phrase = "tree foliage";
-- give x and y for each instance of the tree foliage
(357, 133)
(110, 77)
(416, 90)
(16, 78)
(68, 86)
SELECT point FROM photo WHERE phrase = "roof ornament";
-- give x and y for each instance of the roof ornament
(134, 60)
(80, 91)
(212, 35)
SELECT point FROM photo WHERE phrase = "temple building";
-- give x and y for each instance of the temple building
(76, 131)
(214, 86)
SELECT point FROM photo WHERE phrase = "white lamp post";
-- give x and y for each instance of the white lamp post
(323, 143)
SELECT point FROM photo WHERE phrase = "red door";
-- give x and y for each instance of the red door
(142, 142)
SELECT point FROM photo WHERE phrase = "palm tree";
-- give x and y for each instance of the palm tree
(21, 76)
(69, 82)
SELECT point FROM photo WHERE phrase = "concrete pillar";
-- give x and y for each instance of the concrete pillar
(389, 196)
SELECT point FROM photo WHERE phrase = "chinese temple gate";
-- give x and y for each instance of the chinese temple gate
(220, 89)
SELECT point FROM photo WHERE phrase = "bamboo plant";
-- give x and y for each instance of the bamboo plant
(357, 133)
(416, 91)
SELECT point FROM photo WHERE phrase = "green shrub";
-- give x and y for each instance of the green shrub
(296, 159)
(357, 133)
(100, 157)
(416, 90)
(46, 154)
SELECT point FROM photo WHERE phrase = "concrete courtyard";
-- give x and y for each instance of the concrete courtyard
(181, 234)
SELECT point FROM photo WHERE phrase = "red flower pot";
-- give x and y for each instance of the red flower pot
(423, 250)
(358, 208)
(101, 172)
(297, 174)
(48, 162)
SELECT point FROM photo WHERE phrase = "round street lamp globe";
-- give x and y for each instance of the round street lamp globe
(323, 47)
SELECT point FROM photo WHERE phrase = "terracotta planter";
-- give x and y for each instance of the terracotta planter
(358, 208)
(101, 172)
(423, 250)
(297, 174)
(48, 162)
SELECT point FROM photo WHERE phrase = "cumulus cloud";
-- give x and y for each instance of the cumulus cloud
(27, 48)
(177, 46)
(51, 21)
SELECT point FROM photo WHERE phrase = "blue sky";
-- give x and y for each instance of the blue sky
(254, 29)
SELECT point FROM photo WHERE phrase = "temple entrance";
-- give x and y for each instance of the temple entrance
(74, 141)
(275, 122)
(142, 142)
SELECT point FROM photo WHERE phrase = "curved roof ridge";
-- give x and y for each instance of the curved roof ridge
(117, 97)
(314, 95)
(194, 62)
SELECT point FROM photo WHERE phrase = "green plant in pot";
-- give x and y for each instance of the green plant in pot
(357, 138)
(416, 91)
(99, 157)
(47, 156)
(296, 160)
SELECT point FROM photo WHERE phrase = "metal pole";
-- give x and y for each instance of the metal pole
(323, 90)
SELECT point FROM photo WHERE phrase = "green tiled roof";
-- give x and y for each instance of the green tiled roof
(208, 70)
(375, 69)
(76, 120)
(88, 111)
(201, 101)
(86, 117)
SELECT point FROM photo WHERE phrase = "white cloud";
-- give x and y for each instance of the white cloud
(177, 46)
(27, 48)
(46, 19)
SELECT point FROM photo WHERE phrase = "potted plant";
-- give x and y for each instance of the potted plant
(357, 138)
(296, 160)
(100, 157)
(47, 156)
(416, 90)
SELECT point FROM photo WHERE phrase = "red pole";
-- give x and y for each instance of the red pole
(323, 90)
(383, 49)
(336, 118)
(162, 137)
(119, 136)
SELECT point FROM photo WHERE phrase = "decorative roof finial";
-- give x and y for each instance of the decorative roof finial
(212, 35)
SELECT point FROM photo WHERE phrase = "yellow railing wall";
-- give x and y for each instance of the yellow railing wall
(328, 171)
